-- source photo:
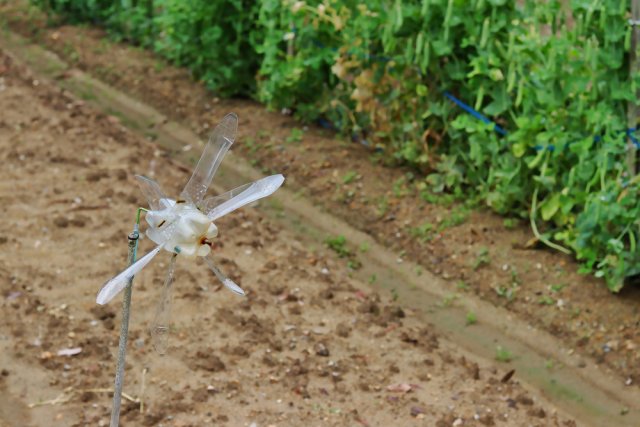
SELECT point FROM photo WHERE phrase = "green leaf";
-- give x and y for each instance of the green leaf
(500, 102)
(550, 206)
(519, 148)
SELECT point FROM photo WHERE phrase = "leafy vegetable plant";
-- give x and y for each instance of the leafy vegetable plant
(549, 81)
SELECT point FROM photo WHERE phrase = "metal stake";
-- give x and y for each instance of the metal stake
(124, 330)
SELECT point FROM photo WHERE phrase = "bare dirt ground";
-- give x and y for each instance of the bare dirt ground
(472, 249)
(308, 346)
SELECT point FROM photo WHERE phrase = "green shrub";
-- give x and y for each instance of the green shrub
(214, 39)
(554, 74)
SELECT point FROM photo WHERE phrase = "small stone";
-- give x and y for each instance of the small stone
(275, 288)
(487, 420)
(96, 176)
(398, 312)
(270, 265)
(363, 386)
(321, 349)
(79, 221)
(369, 307)
(613, 345)
(416, 410)
(87, 396)
(61, 222)
(523, 399)
(240, 351)
(343, 330)
(269, 360)
(121, 174)
(200, 395)
(539, 413)
(208, 362)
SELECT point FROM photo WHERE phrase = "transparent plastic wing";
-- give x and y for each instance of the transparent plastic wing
(230, 284)
(118, 283)
(151, 191)
(160, 325)
(254, 191)
(218, 145)
(210, 203)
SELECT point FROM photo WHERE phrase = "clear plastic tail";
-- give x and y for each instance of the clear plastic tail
(162, 319)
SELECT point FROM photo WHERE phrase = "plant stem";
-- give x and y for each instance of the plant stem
(124, 329)
(534, 227)
(634, 67)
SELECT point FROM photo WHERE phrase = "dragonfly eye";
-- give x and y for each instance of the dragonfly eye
(205, 241)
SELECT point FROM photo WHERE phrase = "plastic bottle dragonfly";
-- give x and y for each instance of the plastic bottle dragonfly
(186, 226)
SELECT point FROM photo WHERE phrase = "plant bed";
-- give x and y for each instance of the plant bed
(309, 343)
(470, 248)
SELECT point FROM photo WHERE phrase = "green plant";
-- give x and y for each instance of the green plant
(508, 292)
(503, 355)
(483, 258)
(546, 300)
(339, 245)
(215, 40)
(400, 187)
(515, 279)
(349, 177)
(510, 223)
(560, 89)
(471, 318)
(455, 218)
(558, 287)
(70, 52)
(423, 232)
(462, 285)
(354, 264)
(448, 300)
(382, 206)
(295, 135)
(554, 74)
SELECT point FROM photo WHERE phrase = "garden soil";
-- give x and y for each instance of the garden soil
(472, 250)
(309, 345)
